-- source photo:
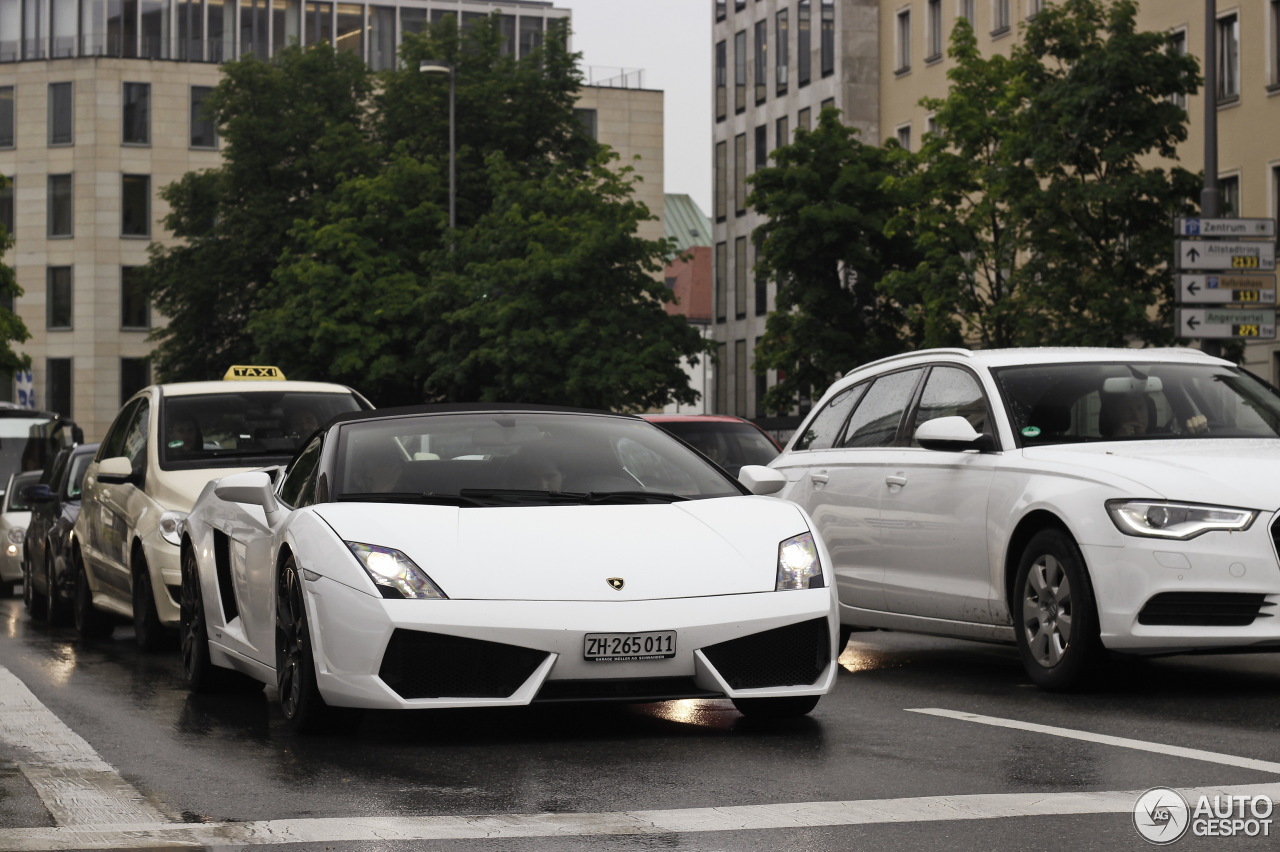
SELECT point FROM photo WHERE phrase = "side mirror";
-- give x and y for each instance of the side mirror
(38, 493)
(253, 488)
(953, 434)
(116, 471)
(759, 479)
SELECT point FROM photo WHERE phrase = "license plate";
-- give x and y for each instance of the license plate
(627, 647)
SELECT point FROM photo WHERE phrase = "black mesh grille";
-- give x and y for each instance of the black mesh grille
(432, 665)
(1204, 609)
(643, 689)
(794, 655)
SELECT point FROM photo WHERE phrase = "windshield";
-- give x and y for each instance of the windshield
(499, 459)
(243, 429)
(730, 445)
(1074, 403)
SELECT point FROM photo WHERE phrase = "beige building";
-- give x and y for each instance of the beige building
(891, 53)
(99, 109)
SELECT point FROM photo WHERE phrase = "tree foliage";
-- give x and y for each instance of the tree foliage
(12, 328)
(828, 198)
(543, 292)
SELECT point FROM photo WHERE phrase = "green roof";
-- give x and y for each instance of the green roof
(685, 222)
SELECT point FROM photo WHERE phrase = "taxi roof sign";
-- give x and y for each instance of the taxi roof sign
(252, 373)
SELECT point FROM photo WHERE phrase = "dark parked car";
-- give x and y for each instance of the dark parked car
(48, 587)
(728, 441)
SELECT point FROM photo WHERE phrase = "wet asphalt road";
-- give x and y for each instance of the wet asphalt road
(229, 759)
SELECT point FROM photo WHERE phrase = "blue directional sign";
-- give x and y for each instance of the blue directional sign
(1242, 228)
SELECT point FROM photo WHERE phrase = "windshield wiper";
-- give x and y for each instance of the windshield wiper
(430, 499)
(520, 495)
(597, 497)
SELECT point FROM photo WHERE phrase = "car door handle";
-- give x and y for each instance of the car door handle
(895, 481)
(819, 478)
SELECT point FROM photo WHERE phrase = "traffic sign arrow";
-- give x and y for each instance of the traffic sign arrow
(1193, 287)
(1193, 255)
(1193, 323)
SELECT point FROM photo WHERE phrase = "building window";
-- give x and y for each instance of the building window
(722, 281)
(762, 294)
(781, 51)
(999, 17)
(740, 174)
(762, 61)
(1178, 47)
(762, 147)
(1229, 193)
(59, 206)
(964, 9)
(780, 132)
(740, 71)
(903, 135)
(804, 55)
(802, 119)
(1033, 8)
(720, 10)
(1274, 23)
(136, 117)
(590, 120)
(204, 132)
(740, 277)
(722, 80)
(58, 380)
(135, 307)
(135, 374)
(902, 41)
(135, 206)
(1228, 57)
(827, 38)
(933, 30)
(722, 181)
(7, 137)
(58, 298)
(61, 131)
(827, 103)
(6, 205)
(740, 378)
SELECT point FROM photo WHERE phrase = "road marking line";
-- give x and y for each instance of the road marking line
(75, 784)
(797, 815)
(1122, 742)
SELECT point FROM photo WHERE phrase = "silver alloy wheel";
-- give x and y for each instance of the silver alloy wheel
(1046, 610)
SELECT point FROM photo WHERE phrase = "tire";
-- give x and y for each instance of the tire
(55, 608)
(200, 672)
(91, 623)
(1055, 617)
(36, 603)
(305, 710)
(786, 707)
(150, 634)
(845, 632)
(6, 589)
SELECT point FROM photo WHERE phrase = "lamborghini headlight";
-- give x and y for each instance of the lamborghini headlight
(798, 564)
(395, 574)
(1182, 521)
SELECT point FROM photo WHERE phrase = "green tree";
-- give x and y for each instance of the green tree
(12, 328)
(828, 198)
(1103, 106)
(292, 130)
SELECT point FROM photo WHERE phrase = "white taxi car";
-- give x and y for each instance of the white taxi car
(167, 442)
(1066, 500)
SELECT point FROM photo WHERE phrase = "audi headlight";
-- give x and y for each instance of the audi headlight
(1182, 521)
(798, 564)
(171, 527)
(17, 535)
(395, 574)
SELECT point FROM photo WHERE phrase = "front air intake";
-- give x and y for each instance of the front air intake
(1204, 609)
(434, 665)
(795, 655)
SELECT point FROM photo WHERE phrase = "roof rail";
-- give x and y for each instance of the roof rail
(901, 355)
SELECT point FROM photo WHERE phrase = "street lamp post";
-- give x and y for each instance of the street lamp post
(430, 66)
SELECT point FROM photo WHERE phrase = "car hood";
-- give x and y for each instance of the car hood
(1232, 472)
(568, 553)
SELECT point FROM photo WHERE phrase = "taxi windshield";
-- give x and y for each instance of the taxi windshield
(500, 458)
(245, 428)
(1075, 403)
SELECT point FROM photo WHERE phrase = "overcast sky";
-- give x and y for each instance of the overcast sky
(670, 41)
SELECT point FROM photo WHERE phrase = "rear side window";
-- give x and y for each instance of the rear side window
(823, 431)
(876, 419)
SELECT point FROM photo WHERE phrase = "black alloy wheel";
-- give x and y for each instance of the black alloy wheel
(55, 608)
(198, 669)
(150, 634)
(305, 710)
